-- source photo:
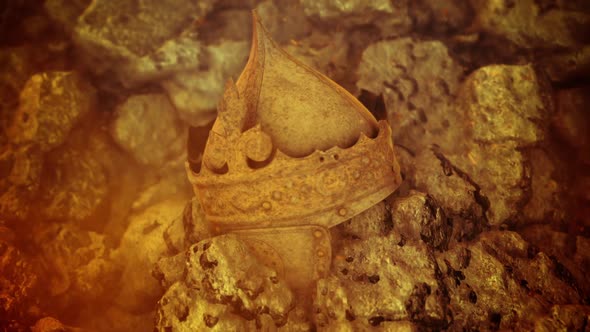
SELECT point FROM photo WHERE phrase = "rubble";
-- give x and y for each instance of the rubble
(65, 13)
(570, 250)
(19, 288)
(500, 282)
(147, 127)
(225, 287)
(384, 279)
(496, 163)
(51, 104)
(487, 101)
(195, 93)
(76, 264)
(20, 177)
(375, 221)
(140, 42)
(391, 18)
(456, 194)
(418, 80)
(141, 246)
(531, 24)
(74, 185)
(418, 217)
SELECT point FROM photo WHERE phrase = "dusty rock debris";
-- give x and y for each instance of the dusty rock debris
(107, 113)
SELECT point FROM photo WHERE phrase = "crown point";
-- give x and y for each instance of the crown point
(298, 107)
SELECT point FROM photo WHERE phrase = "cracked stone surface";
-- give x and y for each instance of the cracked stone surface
(501, 282)
(417, 80)
(225, 287)
(375, 281)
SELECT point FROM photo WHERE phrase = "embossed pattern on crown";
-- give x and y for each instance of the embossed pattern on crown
(253, 177)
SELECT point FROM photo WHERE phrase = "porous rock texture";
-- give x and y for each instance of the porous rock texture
(488, 103)
(224, 287)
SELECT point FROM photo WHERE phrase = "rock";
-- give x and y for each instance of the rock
(193, 227)
(195, 93)
(141, 247)
(170, 270)
(440, 17)
(74, 185)
(571, 251)
(502, 179)
(125, 178)
(184, 309)
(332, 310)
(418, 217)
(453, 191)
(564, 318)
(530, 24)
(500, 282)
(18, 64)
(196, 228)
(329, 53)
(228, 272)
(499, 124)
(567, 66)
(51, 104)
(283, 28)
(225, 25)
(386, 280)
(392, 18)
(19, 288)
(49, 324)
(20, 176)
(376, 221)
(417, 80)
(571, 120)
(226, 288)
(147, 127)
(172, 182)
(140, 42)
(547, 197)
(493, 98)
(76, 265)
(65, 13)
(498, 167)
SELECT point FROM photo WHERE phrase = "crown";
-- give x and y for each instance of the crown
(290, 147)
